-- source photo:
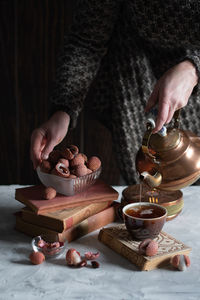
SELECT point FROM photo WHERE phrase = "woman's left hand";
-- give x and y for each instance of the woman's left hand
(172, 92)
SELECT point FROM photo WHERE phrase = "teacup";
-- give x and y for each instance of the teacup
(144, 220)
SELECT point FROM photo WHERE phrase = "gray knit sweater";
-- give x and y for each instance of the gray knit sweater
(118, 49)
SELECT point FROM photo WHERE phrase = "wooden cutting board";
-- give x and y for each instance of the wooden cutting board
(32, 197)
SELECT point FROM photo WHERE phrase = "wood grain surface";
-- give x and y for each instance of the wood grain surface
(32, 197)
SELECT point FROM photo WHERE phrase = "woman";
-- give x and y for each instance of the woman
(131, 55)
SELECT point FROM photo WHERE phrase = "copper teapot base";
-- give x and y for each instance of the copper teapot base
(171, 200)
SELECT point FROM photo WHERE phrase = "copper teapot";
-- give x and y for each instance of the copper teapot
(170, 159)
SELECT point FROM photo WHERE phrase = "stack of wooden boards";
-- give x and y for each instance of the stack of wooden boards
(68, 218)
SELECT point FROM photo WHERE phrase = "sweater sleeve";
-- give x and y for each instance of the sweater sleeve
(194, 56)
(80, 58)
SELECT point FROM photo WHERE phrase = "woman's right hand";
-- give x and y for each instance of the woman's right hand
(47, 136)
(172, 92)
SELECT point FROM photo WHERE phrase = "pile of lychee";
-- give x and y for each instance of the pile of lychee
(70, 163)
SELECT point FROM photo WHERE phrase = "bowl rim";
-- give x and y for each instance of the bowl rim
(67, 178)
(146, 204)
(47, 251)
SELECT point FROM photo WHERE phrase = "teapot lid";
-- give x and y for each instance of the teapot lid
(160, 143)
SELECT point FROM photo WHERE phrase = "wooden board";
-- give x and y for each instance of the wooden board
(119, 240)
(32, 197)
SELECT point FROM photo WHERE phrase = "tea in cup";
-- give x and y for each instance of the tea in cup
(144, 220)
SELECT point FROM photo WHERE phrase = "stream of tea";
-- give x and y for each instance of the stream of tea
(140, 197)
(146, 210)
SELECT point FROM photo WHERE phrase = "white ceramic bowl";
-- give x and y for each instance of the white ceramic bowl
(68, 186)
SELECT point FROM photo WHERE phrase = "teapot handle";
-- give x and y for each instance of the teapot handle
(145, 142)
(176, 118)
(150, 126)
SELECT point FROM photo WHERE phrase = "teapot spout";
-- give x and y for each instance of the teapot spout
(152, 180)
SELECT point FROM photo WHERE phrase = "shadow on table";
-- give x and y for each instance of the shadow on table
(22, 262)
(11, 239)
(7, 225)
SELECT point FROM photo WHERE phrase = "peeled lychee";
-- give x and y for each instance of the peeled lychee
(64, 162)
(61, 170)
(73, 257)
(180, 262)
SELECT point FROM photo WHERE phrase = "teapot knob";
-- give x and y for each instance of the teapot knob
(163, 131)
(151, 125)
(176, 117)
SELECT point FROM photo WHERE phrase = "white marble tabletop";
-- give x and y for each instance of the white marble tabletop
(116, 278)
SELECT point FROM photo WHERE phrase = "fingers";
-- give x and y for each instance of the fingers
(41, 146)
(37, 143)
(163, 113)
(50, 144)
(170, 114)
(152, 99)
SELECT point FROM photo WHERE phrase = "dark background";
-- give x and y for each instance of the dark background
(31, 34)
